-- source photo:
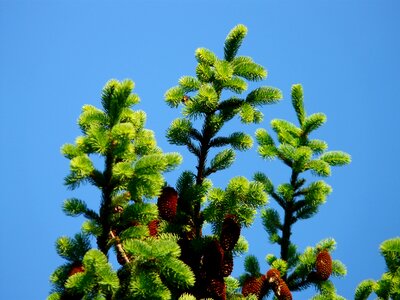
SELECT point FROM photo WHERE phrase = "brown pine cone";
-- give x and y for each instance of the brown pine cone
(76, 268)
(273, 276)
(253, 285)
(216, 288)
(323, 265)
(153, 227)
(230, 232)
(227, 265)
(167, 203)
(213, 258)
(282, 291)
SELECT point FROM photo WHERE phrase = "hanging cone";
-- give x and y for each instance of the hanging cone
(278, 285)
(227, 266)
(76, 268)
(153, 227)
(323, 265)
(264, 286)
(230, 232)
(216, 289)
(273, 276)
(213, 259)
(282, 291)
(167, 203)
(253, 285)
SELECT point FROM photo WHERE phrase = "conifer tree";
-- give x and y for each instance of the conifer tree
(125, 220)
(210, 100)
(155, 230)
(293, 271)
(388, 287)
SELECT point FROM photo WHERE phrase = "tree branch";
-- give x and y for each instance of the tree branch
(119, 247)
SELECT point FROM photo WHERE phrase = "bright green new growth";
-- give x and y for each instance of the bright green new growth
(298, 201)
(203, 97)
(98, 279)
(133, 167)
(388, 287)
(118, 134)
(240, 197)
(301, 154)
(156, 265)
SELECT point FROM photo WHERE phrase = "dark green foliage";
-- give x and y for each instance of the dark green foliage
(272, 223)
(252, 266)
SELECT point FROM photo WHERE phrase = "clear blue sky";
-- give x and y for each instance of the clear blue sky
(55, 56)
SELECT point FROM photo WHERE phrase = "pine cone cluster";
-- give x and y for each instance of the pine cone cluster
(167, 203)
(278, 285)
(216, 264)
(323, 265)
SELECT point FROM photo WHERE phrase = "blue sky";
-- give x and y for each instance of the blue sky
(55, 56)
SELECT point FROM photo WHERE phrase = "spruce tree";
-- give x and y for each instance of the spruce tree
(388, 287)
(210, 100)
(126, 220)
(155, 229)
(294, 271)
